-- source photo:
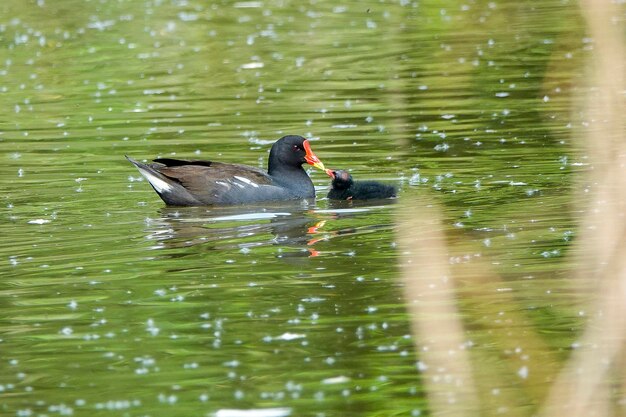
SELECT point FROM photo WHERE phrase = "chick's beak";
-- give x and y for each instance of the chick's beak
(311, 158)
(330, 173)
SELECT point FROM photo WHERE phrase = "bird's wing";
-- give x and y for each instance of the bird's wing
(216, 182)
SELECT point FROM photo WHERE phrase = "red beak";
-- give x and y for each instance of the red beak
(311, 158)
(330, 173)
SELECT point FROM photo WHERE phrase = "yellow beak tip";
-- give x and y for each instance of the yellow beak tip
(319, 165)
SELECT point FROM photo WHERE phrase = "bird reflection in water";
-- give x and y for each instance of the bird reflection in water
(339, 210)
(296, 229)
(241, 228)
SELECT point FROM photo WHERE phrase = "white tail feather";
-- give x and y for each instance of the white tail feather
(158, 184)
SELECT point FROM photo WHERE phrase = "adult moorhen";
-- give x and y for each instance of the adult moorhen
(345, 188)
(199, 183)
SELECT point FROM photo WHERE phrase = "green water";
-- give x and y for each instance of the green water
(114, 305)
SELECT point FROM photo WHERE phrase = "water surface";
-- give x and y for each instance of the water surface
(114, 304)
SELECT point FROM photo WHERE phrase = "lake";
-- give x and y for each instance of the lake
(466, 295)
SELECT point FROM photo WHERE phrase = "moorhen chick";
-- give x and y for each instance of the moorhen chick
(199, 183)
(345, 188)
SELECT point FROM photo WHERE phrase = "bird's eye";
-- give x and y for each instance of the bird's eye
(296, 148)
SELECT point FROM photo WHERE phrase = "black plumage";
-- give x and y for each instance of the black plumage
(197, 183)
(345, 188)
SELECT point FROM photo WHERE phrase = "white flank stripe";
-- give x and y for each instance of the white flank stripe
(247, 181)
(156, 182)
(222, 183)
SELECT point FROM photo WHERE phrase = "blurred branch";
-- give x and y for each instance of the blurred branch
(584, 386)
(458, 380)
(436, 323)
